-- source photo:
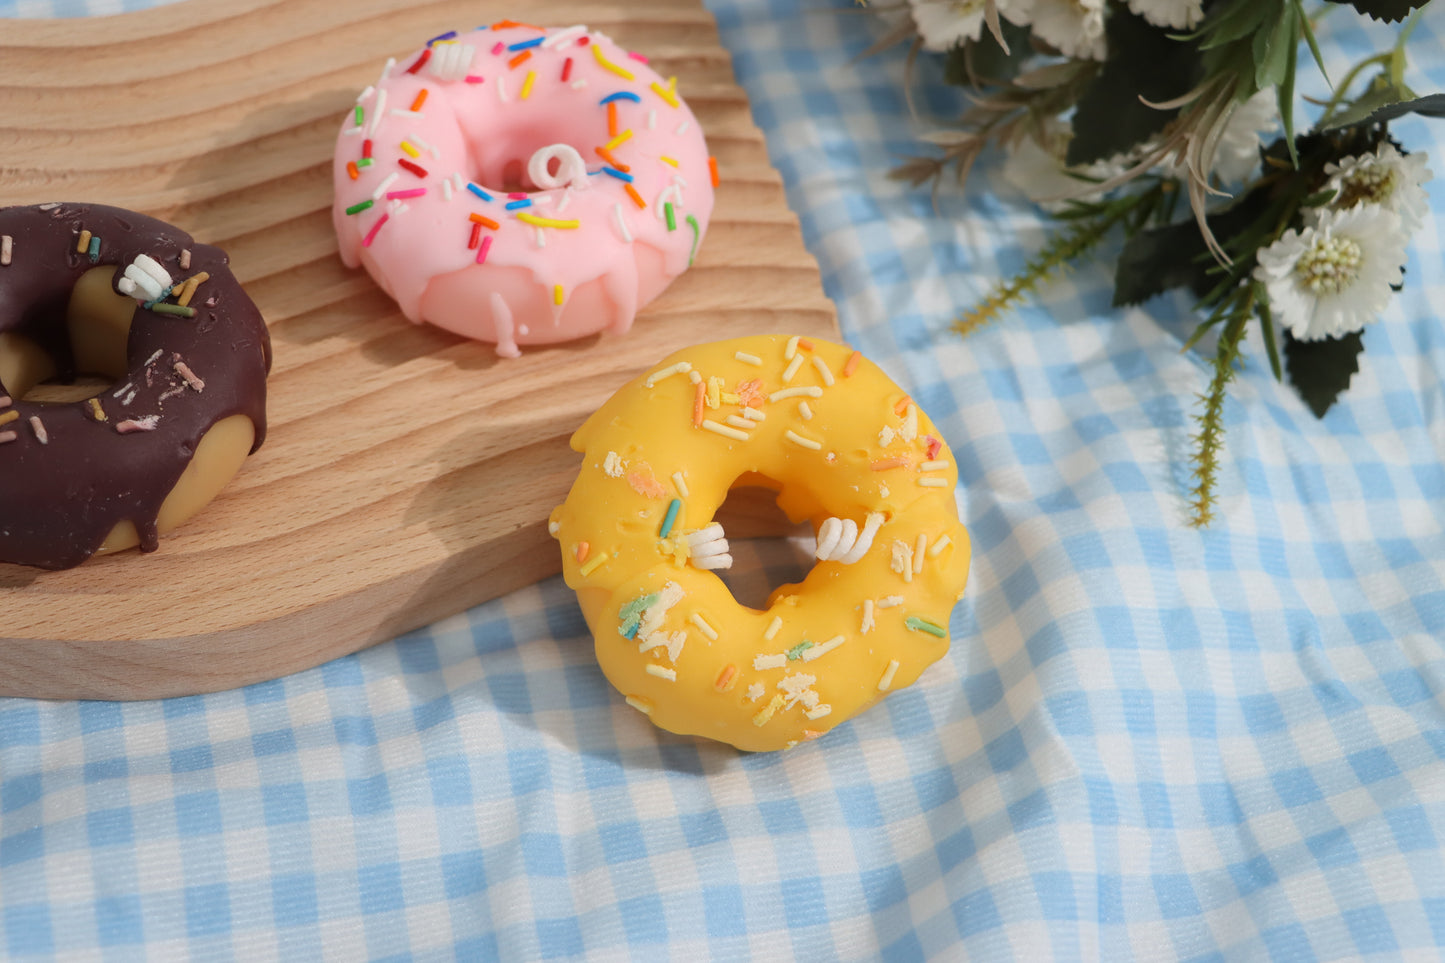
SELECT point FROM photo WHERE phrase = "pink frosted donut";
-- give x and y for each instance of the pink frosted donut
(522, 185)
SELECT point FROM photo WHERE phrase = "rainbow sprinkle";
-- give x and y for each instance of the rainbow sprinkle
(620, 95)
(613, 172)
(665, 93)
(478, 191)
(360, 206)
(696, 236)
(606, 64)
(670, 518)
(916, 624)
(559, 294)
(527, 84)
(536, 221)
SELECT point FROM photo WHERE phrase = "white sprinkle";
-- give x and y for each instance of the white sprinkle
(579, 84)
(933, 482)
(887, 679)
(49, 206)
(39, 429)
(378, 109)
(459, 182)
(502, 94)
(703, 627)
(125, 402)
(621, 224)
(742, 423)
(933, 466)
(7, 247)
(366, 93)
(659, 206)
(541, 237)
(661, 672)
(542, 200)
(553, 528)
(121, 390)
(651, 120)
(810, 391)
(386, 182)
(152, 267)
(147, 423)
(189, 376)
(818, 651)
(819, 711)
(823, 370)
(919, 548)
(413, 114)
(350, 131)
(792, 368)
(681, 367)
(790, 350)
(613, 465)
(798, 439)
(185, 259)
(890, 601)
(902, 559)
(566, 199)
(773, 627)
(713, 562)
(694, 377)
(776, 661)
(641, 705)
(883, 490)
(152, 359)
(867, 623)
(755, 691)
(885, 437)
(938, 546)
(909, 431)
(562, 36)
(681, 482)
(446, 189)
(682, 128)
(746, 358)
(727, 432)
(805, 411)
(753, 414)
(386, 72)
(424, 145)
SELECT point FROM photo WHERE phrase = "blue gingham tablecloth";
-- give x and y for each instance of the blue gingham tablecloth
(1148, 742)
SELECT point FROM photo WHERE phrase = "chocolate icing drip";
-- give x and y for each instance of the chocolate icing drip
(59, 500)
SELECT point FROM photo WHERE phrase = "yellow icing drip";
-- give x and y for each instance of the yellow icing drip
(655, 424)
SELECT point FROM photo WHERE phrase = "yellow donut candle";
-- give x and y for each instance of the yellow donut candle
(848, 451)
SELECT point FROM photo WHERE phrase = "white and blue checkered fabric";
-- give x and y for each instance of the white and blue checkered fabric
(1148, 742)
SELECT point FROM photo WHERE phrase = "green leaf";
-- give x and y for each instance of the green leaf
(1284, 95)
(1238, 19)
(1432, 105)
(1377, 96)
(1145, 63)
(1321, 370)
(1266, 328)
(1275, 50)
(1156, 260)
(1390, 11)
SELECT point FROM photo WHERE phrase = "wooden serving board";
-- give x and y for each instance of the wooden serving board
(408, 473)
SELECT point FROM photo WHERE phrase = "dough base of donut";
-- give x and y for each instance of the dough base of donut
(98, 321)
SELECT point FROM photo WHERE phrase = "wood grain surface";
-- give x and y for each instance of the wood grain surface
(408, 473)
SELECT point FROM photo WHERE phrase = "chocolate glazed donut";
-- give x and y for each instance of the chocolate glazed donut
(95, 475)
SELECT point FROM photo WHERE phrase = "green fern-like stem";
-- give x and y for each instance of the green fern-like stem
(1209, 440)
(1062, 249)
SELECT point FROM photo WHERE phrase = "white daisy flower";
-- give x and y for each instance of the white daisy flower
(1178, 14)
(944, 23)
(1074, 27)
(1386, 179)
(1236, 156)
(1334, 277)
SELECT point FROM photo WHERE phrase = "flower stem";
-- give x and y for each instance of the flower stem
(1209, 441)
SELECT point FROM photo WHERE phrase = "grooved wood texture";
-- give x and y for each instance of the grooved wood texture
(408, 473)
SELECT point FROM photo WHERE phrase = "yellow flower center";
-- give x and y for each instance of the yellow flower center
(1329, 266)
(1372, 184)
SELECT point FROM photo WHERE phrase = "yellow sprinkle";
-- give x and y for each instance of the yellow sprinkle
(662, 672)
(406, 146)
(933, 482)
(557, 293)
(808, 391)
(640, 704)
(791, 348)
(669, 160)
(792, 368)
(621, 138)
(13, 415)
(798, 439)
(527, 84)
(939, 546)
(761, 719)
(609, 65)
(672, 369)
(702, 625)
(83, 243)
(593, 564)
(536, 221)
(681, 482)
(189, 290)
(714, 392)
(773, 627)
(933, 466)
(96, 410)
(728, 398)
(819, 711)
(724, 430)
(663, 92)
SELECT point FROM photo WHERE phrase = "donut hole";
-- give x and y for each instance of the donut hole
(497, 157)
(768, 551)
(97, 330)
